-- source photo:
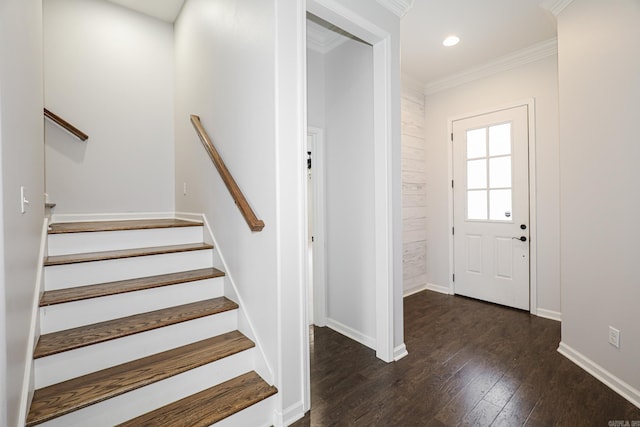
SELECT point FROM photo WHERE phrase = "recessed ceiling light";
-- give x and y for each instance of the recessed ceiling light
(450, 41)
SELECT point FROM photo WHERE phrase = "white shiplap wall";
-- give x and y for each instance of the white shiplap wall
(414, 196)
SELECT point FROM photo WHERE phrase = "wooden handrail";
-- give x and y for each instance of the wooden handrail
(66, 125)
(254, 223)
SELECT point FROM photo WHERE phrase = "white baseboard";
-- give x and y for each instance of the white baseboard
(288, 415)
(427, 287)
(399, 352)
(87, 217)
(549, 314)
(34, 329)
(245, 324)
(437, 288)
(351, 333)
(414, 290)
(189, 216)
(614, 383)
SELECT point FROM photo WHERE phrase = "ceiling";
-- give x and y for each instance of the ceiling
(488, 30)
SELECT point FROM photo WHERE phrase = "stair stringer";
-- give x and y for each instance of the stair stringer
(28, 381)
(245, 325)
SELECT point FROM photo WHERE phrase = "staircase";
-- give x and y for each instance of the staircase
(135, 330)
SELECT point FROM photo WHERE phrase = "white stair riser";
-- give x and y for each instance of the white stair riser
(74, 243)
(74, 363)
(137, 402)
(257, 415)
(89, 273)
(70, 315)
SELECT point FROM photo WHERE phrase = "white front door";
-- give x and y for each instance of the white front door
(491, 207)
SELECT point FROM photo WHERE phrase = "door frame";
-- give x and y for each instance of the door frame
(316, 144)
(533, 227)
(336, 13)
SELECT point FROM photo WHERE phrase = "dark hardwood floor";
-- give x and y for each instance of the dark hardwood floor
(469, 363)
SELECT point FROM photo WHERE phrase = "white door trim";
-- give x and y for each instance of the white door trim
(316, 144)
(533, 228)
(337, 14)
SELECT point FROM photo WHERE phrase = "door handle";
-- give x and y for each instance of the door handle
(521, 238)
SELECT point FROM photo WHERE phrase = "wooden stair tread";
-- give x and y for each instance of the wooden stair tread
(58, 342)
(208, 406)
(138, 224)
(68, 396)
(126, 253)
(79, 293)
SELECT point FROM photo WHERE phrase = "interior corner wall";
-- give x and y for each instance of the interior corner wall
(22, 164)
(599, 91)
(225, 74)
(109, 71)
(349, 191)
(414, 194)
(538, 80)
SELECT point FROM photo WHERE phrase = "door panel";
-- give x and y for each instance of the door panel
(474, 253)
(491, 202)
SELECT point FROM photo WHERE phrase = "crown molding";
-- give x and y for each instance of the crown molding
(398, 7)
(505, 63)
(321, 48)
(323, 40)
(555, 6)
(315, 45)
(166, 10)
(315, 39)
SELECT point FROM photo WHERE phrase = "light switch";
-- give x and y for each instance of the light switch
(23, 200)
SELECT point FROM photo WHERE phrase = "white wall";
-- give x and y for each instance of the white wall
(291, 238)
(537, 80)
(349, 188)
(315, 89)
(414, 194)
(109, 71)
(3, 320)
(240, 66)
(244, 76)
(22, 163)
(599, 110)
(225, 63)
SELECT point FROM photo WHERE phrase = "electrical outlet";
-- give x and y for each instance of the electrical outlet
(614, 337)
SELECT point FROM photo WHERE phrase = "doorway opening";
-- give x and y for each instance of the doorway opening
(340, 100)
(373, 166)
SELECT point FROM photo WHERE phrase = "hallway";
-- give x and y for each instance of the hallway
(469, 363)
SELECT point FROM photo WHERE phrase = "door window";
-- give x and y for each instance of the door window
(489, 183)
